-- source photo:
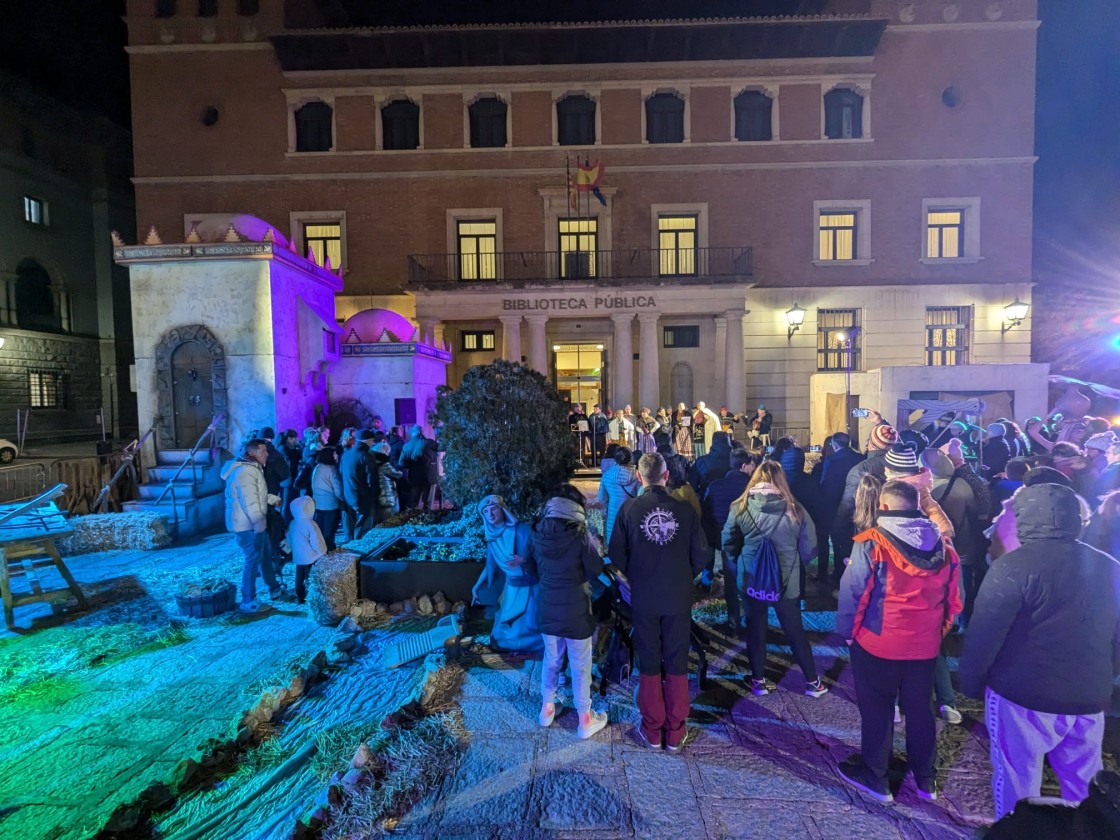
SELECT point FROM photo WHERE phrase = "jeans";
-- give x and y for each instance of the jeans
(788, 611)
(258, 557)
(579, 662)
(943, 684)
(1021, 738)
(327, 520)
(878, 682)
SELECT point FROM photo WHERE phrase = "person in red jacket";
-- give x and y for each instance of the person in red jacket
(898, 599)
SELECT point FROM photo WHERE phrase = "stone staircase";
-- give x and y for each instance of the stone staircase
(197, 502)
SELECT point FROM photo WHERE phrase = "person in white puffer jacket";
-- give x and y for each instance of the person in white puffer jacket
(246, 500)
(306, 541)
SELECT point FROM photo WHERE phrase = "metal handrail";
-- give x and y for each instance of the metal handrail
(170, 488)
(128, 456)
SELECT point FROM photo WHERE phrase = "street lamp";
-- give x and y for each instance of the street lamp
(795, 317)
(1015, 312)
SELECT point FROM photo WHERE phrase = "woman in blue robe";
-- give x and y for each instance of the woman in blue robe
(504, 583)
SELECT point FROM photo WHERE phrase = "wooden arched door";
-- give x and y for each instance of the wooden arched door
(192, 392)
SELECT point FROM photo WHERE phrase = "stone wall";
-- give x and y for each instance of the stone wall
(77, 358)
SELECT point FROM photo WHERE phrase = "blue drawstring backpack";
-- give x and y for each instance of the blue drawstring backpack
(767, 578)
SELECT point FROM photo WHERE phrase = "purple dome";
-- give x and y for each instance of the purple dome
(369, 324)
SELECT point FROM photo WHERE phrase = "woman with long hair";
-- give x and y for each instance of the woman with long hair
(768, 510)
(418, 461)
(682, 431)
(867, 503)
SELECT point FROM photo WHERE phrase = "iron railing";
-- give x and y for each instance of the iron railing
(607, 267)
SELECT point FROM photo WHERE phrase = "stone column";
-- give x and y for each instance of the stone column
(720, 378)
(649, 371)
(538, 344)
(736, 376)
(511, 337)
(623, 390)
(431, 331)
(8, 299)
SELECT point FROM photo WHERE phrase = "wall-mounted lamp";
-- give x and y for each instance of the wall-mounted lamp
(795, 317)
(1015, 312)
(2, 340)
(555, 348)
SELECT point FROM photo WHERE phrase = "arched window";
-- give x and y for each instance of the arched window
(665, 118)
(313, 127)
(35, 309)
(248, 8)
(400, 125)
(207, 8)
(680, 383)
(843, 114)
(753, 110)
(575, 121)
(488, 123)
(165, 8)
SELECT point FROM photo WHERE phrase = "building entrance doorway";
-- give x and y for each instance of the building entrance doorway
(580, 373)
(192, 392)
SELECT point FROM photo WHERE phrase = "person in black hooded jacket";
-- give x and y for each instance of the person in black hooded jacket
(1042, 649)
(563, 556)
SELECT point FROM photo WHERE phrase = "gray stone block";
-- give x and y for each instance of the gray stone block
(777, 775)
(731, 819)
(501, 717)
(583, 801)
(662, 800)
(491, 789)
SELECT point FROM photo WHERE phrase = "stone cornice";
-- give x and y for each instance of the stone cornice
(141, 254)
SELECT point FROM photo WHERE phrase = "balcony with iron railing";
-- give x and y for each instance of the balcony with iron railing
(606, 268)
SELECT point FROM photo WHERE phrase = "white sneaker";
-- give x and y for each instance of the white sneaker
(549, 711)
(591, 723)
(897, 714)
(950, 715)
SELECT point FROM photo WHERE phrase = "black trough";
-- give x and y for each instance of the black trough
(386, 574)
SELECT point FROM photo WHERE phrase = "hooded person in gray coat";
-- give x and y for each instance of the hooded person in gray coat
(1042, 649)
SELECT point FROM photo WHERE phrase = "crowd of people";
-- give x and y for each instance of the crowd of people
(1004, 536)
(902, 535)
(290, 502)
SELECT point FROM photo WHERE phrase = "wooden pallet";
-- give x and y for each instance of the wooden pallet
(28, 531)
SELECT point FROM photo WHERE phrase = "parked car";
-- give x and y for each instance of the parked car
(8, 451)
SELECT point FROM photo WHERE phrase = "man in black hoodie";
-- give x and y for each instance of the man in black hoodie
(1042, 650)
(658, 543)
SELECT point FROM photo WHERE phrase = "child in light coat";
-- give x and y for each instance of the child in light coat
(306, 541)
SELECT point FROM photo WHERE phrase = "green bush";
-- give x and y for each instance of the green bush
(505, 431)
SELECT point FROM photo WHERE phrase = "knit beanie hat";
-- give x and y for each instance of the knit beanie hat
(996, 430)
(903, 458)
(883, 437)
(954, 451)
(1104, 441)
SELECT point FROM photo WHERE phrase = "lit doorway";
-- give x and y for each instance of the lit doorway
(580, 373)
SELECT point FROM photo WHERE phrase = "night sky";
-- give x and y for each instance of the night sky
(73, 49)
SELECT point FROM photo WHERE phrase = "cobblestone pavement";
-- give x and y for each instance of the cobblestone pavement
(84, 741)
(758, 767)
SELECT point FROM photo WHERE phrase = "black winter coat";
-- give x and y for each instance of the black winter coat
(277, 471)
(562, 558)
(658, 544)
(834, 472)
(359, 477)
(876, 464)
(717, 502)
(1045, 631)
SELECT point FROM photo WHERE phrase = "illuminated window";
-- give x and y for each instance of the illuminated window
(477, 340)
(947, 330)
(944, 234)
(835, 329)
(575, 121)
(34, 211)
(324, 240)
(314, 132)
(400, 125)
(478, 245)
(681, 337)
(753, 111)
(579, 244)
(837, 236)
(47, 389)
(664, 118)
(843, 114)
(676, 239)
(488, 123)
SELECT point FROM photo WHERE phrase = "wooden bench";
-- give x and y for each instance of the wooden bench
(28, 531)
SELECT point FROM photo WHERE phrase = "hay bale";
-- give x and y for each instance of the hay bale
(109, 531)
(333, 590)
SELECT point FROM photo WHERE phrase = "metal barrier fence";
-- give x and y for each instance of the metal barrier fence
(84, 477)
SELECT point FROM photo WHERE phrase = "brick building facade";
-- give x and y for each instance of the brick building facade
(64, 308)
(871, 166)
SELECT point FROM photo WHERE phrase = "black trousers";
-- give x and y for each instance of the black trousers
(303, 571)
(789, 617)
(327, 520)
(842, 544)
(972, 575)
(878, 683)
(661, 643)
(731, 589)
